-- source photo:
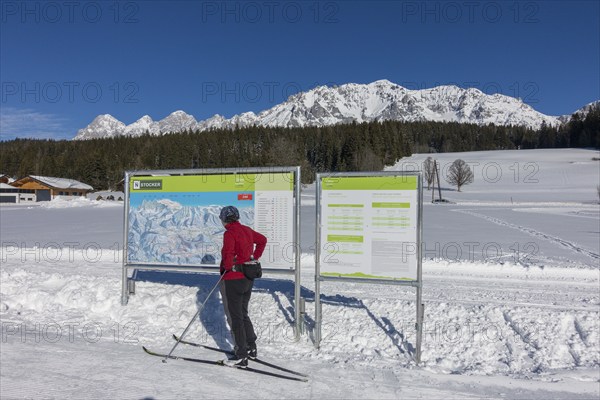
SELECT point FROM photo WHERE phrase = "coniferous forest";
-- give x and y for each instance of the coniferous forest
(349, 147)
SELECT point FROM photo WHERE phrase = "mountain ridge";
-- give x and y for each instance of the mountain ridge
(351, 102)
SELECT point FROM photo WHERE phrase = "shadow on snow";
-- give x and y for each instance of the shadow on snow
(213, 318)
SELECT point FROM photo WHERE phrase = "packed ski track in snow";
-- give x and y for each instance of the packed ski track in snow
(511, 291)
(534, 233)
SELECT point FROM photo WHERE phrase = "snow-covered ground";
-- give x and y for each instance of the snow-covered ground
(511, 292)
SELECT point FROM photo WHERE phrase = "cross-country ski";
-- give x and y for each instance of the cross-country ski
(219, 363)
(230, 353)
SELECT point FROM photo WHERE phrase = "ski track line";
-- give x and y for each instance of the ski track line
(565, 325)
(540, 306)
(531, 296)
(580, 331)
(523, 347)
(538, 299)
(464, 293)
(522, 335)
(533, 232)
(518, 283)
(524, 288)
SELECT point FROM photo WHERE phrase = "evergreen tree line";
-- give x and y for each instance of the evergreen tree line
(345, 147)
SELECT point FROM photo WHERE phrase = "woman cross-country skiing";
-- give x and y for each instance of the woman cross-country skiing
(238, 248)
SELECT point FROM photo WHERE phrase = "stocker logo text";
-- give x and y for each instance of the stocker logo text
(147, 185)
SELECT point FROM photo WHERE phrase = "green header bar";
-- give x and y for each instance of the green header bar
(345, 238)
(399, 182)
(390, 205)
(213, 183)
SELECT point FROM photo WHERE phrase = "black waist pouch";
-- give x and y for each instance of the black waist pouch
(251, 270)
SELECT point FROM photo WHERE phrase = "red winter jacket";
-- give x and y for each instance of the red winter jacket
(238, 247)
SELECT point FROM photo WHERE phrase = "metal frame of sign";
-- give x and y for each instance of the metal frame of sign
(128, 283)
(418, 283)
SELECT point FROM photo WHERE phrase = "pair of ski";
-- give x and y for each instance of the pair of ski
(300, 377)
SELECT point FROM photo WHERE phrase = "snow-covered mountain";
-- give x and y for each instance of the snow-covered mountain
(384, 100)
(583, 111)
(140, 127)
(377, 101)
(108, 126)
(103, 126)
(177, 122)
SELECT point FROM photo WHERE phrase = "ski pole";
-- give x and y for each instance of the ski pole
(192, 321)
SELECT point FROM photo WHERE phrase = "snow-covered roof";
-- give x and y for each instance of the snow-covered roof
(61, 183)
(6, 186)
(8, 176)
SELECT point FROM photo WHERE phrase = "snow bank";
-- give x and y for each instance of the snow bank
(482, 319)
(62, 202)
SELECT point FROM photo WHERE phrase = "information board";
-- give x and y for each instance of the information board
(174, 219)
(369, 226)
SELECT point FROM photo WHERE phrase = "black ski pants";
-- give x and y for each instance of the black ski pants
(236, 296)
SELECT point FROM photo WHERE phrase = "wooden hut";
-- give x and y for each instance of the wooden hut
(47, 188)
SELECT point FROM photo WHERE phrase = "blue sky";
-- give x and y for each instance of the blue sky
(64, 63)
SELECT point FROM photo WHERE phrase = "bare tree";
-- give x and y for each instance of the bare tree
(428, 171)
(459, 174)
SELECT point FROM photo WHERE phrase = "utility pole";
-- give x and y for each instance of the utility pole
(433, 184)
(438, 180)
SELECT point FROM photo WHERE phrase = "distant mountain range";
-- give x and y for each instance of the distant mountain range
(583, 112)
(377, 101)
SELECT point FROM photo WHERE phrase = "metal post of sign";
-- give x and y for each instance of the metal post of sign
(417, 283)
(318, 317)
(125, 288)
(297, 253)
(419, 299)
(419, 324)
